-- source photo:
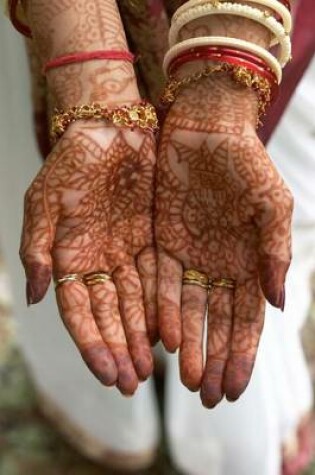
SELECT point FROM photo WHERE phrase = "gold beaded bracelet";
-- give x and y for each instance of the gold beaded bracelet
(142, 115)
(239, 74)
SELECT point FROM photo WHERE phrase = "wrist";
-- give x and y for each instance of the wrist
(220, 97)
(110, 85)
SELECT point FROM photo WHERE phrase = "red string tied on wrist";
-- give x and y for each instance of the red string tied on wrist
(81, 57)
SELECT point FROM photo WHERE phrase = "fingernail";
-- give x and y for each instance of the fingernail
(38, 280)
(280, 300)
(128, 396)
(272, 274)
(100, 361)
(29, 294)
(232, 399)
(283, 300)
(237, 375)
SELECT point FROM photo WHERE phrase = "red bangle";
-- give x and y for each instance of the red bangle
(230, 56)
(263, 72)
(88, 56)
(18, 25)
(202, 53)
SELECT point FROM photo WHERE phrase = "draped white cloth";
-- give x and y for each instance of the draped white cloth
(234, 439)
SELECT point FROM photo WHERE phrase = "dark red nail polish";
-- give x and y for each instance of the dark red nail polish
(38, 280)
(283, 299)
(232, 399)
(29, 294)
(272, 274)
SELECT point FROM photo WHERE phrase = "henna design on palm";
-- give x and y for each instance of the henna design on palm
(89, 209)
(223, 209)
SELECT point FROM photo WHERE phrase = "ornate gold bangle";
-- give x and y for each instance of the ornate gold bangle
(239, 74)
(142, 115)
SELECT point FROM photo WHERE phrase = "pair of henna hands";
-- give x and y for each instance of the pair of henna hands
(220, 207)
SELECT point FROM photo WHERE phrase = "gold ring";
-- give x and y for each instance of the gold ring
(222, 283)
(68, 278)
(194, 277)
(96, 278)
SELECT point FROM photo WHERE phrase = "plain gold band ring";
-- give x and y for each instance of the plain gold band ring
(194, 277)
(89, 279)
(96, 278)
(222, 283)
(68, 278)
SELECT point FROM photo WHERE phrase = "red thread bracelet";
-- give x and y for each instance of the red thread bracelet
(88, 56)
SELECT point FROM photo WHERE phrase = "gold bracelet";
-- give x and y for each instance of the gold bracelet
(142, 115)
(239, 74)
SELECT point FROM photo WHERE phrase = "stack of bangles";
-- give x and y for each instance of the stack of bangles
(245, 62)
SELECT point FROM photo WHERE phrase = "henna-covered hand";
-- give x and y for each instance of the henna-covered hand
(89, 209)
(223, 209)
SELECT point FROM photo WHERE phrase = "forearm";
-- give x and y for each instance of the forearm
(61, 27)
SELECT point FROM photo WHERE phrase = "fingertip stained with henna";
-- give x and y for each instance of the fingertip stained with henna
(38, 280)
(100, 361)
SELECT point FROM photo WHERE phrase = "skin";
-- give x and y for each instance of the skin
(39, 100)
(64, 27)
(222, 209)
(90, 207)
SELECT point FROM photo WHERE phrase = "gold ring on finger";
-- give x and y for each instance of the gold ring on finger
(223, 283)
(68, 278)
(94, 278)
(194, 277)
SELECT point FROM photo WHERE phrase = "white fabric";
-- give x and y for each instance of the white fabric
(245, 438)
(293, 148)
(234, 439)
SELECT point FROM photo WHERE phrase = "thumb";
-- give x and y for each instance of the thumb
(274, 222)
(36, 242)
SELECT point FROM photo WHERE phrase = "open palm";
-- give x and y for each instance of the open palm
(89, 210)
(222, 209)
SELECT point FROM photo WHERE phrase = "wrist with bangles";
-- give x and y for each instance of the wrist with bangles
(245, 62)
(280, 35)
(238, 74)
(140, 115)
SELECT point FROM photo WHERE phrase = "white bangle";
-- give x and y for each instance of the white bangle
(191, 43)
(274, 5)
(246, 11)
